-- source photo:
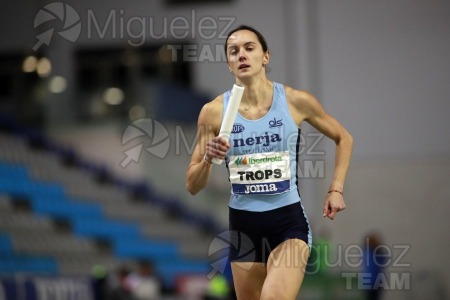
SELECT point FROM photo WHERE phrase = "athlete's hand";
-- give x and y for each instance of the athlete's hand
(334, 203)
(217, 147)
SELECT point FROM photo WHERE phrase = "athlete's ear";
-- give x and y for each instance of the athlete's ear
(266, 58)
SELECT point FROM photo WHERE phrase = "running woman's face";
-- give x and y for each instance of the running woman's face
(245, 54)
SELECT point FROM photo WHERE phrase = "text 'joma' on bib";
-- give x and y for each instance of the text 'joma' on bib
(261, 173)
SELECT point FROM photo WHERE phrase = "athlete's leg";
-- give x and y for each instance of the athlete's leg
(248, 278)
(285, 270)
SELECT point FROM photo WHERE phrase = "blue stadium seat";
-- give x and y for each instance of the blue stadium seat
(60, 207)
(28, 188)
(13, 171)
(5, 244)
(145, 249)
(104, 229)
(15, 263)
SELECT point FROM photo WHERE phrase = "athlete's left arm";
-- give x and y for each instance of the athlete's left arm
(306, 107)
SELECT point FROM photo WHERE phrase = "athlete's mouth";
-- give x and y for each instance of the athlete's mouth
(243, 66)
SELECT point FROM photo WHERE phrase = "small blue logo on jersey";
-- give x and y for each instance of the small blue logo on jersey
(238, 128)
(275, 123)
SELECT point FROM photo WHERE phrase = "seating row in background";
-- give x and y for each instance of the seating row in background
(87, 219)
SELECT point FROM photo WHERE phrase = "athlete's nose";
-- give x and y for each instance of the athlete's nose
(242, 56)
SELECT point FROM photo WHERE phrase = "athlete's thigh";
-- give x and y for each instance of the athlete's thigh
(285, 270)
(248, 278)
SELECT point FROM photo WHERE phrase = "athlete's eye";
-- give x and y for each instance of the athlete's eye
(232, 51)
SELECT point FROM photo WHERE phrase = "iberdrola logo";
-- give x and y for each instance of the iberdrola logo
(241, 161)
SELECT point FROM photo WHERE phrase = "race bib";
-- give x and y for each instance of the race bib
(260, 173)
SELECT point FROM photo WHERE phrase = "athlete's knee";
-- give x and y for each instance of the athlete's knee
(248, 295)
(269, 297)
(275, 297)
(276, 294)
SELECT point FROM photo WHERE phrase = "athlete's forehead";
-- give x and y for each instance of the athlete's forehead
(242, 37)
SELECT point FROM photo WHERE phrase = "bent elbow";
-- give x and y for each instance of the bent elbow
(345, 138)
(350, 138)
(191, 191)
(190, 188)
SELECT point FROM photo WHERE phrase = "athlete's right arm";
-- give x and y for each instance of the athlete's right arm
(208, 146)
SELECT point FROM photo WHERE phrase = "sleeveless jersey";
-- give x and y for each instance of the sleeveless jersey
(262, 160)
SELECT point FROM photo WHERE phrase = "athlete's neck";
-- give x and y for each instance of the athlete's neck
(257, 93)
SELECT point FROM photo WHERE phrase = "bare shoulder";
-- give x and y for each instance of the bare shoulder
(299, 97)
(211, 113)
(301, 103)
(214, 107)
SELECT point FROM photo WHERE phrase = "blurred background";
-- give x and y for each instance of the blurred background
(98, 105)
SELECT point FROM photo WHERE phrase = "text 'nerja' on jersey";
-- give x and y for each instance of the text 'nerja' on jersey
(263, 157)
